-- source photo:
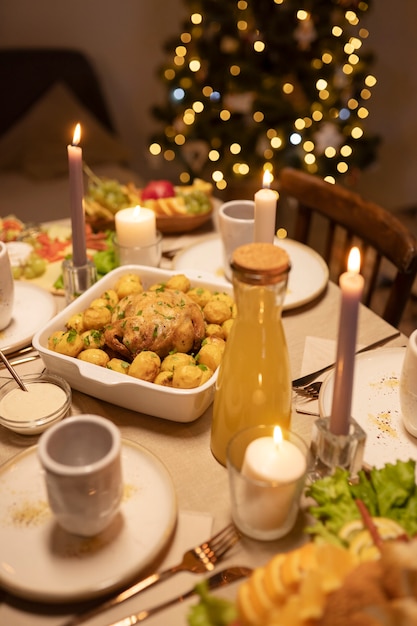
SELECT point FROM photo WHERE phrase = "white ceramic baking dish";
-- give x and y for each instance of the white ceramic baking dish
(177, 405)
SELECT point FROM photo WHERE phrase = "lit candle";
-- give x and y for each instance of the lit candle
(351, 284)
(273, 459)
(278, 466)
(75, 163)
(265, 211)
(135, 227)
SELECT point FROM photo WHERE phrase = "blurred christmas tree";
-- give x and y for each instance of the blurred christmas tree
(259, 84)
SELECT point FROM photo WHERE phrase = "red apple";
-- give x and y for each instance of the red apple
(158, 189)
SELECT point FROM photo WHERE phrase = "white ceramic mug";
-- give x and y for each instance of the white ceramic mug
(236, 220)
(408, 386)
(6, 287)
(83, 475)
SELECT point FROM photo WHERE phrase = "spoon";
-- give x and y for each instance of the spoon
(12, 371)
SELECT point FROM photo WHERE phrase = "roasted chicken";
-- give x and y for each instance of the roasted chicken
(162, 321)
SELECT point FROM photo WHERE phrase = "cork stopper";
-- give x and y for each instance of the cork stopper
(261, 258)
(260, 264)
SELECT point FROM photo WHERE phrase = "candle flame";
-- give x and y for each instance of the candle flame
(77, 135)
(267, 179)
(277, 435)
(136, 211)
(354, 260)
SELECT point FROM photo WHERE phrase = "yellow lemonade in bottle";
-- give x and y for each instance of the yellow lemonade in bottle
(254, 380)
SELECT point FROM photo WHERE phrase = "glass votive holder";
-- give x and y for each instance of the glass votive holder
(77, 279)
(266, 478)
(139, 255)
(46, 402)
(331, 451)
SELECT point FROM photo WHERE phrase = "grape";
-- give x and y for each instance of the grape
(38, 264)
(17, 271)
(35, 266)
(110, 194)
(196, 202)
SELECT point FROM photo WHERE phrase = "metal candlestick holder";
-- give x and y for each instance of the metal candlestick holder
(331, 451)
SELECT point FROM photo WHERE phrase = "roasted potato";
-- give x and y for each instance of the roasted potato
(217, 311)
(110, 297)
(92, 338)
(172, 361)
(179, 282)
(96, 317)
(226, 327)
(187, 377)
(69, 343)
(95, 356)
(211, 354)
(164, 378)
(127, 285)
(215, 330)
(118, 365)
(145, 365)
(200, 295)
(76, 322)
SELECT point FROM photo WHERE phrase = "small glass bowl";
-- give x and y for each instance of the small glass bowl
(27, 422)
(139, 255)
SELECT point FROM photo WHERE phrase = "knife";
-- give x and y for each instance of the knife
(308, 378)
(225, 577)
(25, 359)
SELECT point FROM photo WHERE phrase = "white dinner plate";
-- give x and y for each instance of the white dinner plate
(32, 308)
(308, 277)
(40, 561)
(376, 406)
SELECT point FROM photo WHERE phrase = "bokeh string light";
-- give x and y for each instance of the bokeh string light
(257, 84)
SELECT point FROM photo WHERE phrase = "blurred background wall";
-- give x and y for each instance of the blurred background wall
(124, 40)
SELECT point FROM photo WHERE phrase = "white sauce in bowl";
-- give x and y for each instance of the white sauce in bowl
(40, 400)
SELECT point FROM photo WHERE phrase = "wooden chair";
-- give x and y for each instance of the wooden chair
(331, 219)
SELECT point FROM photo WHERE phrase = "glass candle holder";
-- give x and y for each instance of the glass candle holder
(139, 255)
(266, 480)
(77, 279)
(331, 451)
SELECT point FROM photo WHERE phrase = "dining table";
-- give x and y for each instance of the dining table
(200, 483)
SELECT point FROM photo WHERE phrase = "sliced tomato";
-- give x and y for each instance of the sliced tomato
(10, 228)
(51, 249)
(96, 241)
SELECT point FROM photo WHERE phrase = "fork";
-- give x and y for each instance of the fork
(197, 560)
(311, 391)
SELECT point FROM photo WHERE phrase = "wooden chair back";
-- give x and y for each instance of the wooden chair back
(332, 218)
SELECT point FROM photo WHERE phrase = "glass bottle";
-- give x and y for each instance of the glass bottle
(254, 380)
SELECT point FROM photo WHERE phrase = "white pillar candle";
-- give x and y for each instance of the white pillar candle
(273, 459)
(135, 227)
(265, 211)
(351, 284)
(278, 465)
(75, 164)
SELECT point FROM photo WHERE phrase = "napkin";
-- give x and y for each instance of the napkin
(318, 353)
(192, 529)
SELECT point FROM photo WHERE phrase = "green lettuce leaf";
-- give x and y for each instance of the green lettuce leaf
(364, 491)
(211, 610)
(335, 505)
(386, 492)
(105, 261)
(393, 485)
